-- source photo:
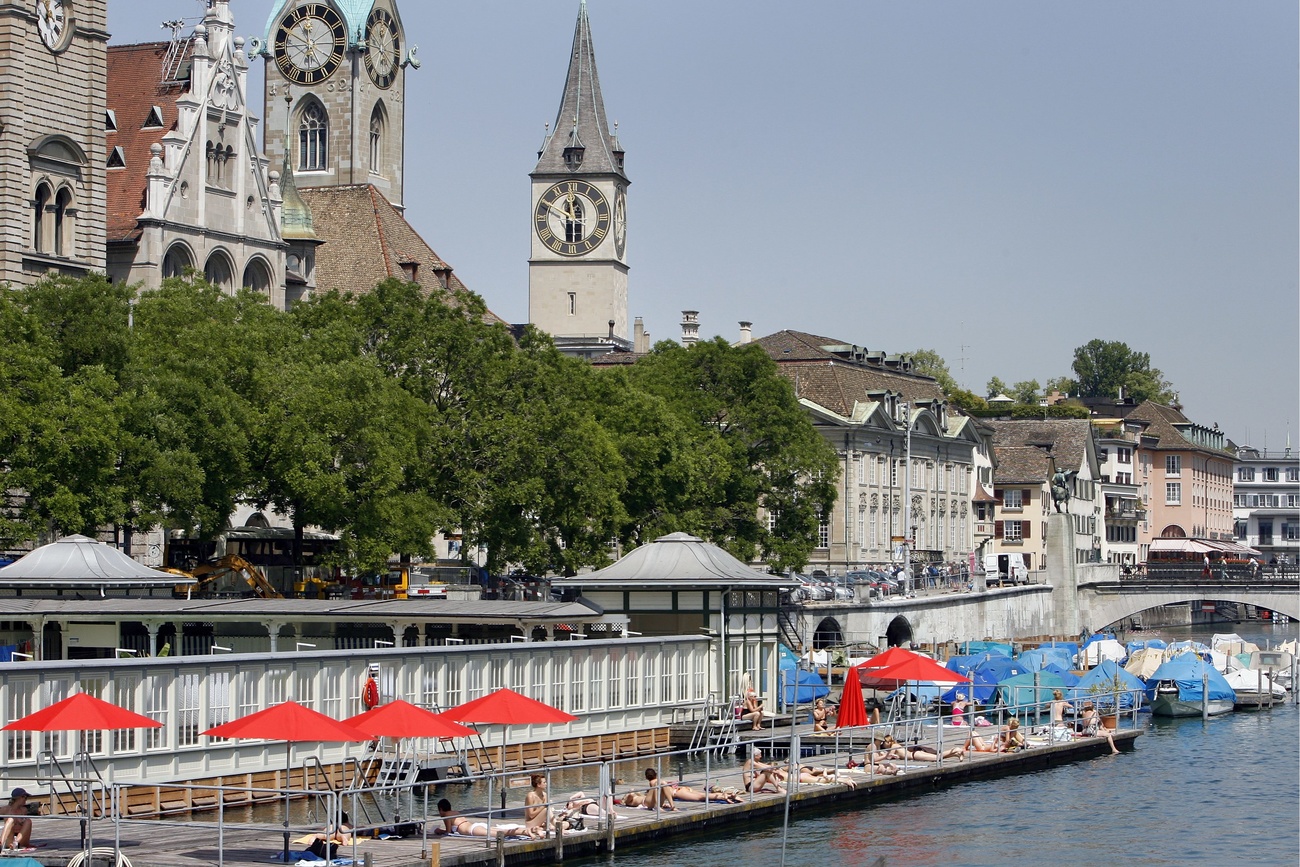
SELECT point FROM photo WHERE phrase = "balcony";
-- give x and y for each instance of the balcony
(984, 528)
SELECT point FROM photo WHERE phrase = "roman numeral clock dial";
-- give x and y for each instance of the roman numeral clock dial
(309, 43)
(383, 48)
(572, 218)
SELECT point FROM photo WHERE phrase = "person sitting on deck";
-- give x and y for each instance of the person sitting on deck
(820, 715)
(758, 777)
(17, 834)
(1014, 739)
(751, 706)
(959, 709)
(1059, 706)
(537, 812)
(1092, 727)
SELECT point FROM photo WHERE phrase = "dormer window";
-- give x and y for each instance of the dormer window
(573, 156)
(154, 120)
(410, 270)
(110, 121)
(117, 158)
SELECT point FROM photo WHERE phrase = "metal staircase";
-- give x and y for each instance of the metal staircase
(716, 728)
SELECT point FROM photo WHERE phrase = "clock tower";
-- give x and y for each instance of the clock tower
(577, 273)
(343, 67)
(53, 54)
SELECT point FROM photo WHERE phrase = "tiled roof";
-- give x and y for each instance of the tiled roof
(1021, 465)
(367, 241)
(1068, 437)
(1160, 421)
(831, 382)
(134, 73)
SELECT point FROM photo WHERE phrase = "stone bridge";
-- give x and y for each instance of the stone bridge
(1077, 597)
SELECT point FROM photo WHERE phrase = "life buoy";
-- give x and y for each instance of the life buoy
(370, 693)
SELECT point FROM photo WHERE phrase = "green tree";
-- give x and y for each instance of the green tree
(996, 386)
(968, 400)
(1025, 391)
(774, 458)
(930, 363)
(1103, 367)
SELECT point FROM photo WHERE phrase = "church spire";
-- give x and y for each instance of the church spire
(581, 140)
(295, 214)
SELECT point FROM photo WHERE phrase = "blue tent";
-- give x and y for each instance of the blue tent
(1153, 643)
(1038, 659)
(979, 648)
(1064, 674)
(1019, 688)
(1096, 686)
(986, 676)
(799, 685)
(1186, 671)
(1070, 647)
(964, 665)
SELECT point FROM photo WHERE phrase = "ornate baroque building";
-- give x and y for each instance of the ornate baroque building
(51, 137)
(188, 187)
(577, 271)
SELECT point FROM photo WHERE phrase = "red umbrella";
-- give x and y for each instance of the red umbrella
(81, 712)
(918, 668)
(292, 723)
(401, 719)
(889, 657)
(507, 707)
(852, 711)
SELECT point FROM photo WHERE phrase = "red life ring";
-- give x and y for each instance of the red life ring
(370, 693)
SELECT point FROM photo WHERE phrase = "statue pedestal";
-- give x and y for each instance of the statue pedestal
(1059, 551)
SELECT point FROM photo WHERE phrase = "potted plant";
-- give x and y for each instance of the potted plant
(1105, 696)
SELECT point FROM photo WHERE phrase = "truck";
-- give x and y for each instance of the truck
(1002, 569)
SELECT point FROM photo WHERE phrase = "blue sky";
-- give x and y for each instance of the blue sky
(999, 181)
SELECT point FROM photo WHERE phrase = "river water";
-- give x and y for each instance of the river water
(1190, 793)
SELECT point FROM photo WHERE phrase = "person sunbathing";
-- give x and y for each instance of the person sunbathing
(467, 827)
(919, 752)
(1092, 727)
(823, 777)
(1014, 739)
(820, 717)
(760, 778)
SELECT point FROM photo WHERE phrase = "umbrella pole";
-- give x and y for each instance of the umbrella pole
(505, 743)
(288, 773)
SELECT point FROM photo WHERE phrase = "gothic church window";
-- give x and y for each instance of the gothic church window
(575, 223)
(40, 229)
(257, 277)
(117, 158)
(313, 134)
(218, 272)
(154, 118)
(177, 261)
(376, 140)
(63, 223)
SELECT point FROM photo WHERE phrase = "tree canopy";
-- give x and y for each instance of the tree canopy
(1103, 367)
(388, 417)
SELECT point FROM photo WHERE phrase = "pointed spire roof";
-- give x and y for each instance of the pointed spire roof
(581, 121)
(295, 214)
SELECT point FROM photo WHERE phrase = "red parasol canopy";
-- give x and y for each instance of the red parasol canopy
(81, 712)
(889, 657)
(290, 722)
(918, 668)
(507, 707)
(852, 711)
(401, 719)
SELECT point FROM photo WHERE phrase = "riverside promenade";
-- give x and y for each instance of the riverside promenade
(152, 843)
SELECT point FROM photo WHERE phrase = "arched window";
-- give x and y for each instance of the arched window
(257, 277)
(218, 272)
(313, 135)
(63, 222)
(574, 228)
(177, 261)
(40, 229)
(376, 139)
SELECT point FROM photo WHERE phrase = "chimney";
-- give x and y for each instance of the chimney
(611, 329)
(645, 342)
(638, 334)
(690, 328)
(746, 332)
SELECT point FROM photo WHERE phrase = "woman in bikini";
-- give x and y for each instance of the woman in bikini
(823, 777)
(757, 776)
(1059, 705)
(820, 715)
(1092, 728)
(919, 752)
(468, 827)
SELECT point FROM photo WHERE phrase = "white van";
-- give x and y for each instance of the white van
(1005, 569)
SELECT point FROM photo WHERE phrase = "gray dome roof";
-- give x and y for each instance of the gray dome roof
(79, 561)
(678, 559)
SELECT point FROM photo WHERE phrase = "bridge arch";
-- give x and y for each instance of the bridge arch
(1103, 609)
(899, 632)
(828, 633)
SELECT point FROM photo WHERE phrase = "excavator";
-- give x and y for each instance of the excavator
(230, 565)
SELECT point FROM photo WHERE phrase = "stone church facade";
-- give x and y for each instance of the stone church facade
(51, 138)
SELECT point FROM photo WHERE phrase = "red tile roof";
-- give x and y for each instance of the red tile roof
(134, 76)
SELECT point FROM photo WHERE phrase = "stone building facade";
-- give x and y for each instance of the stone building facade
(863, 404)
(1266, 503)
(51, 138)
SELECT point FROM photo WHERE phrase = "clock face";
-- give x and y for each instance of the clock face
(309, 43)
(620, 223)
(572, 218)
(383, 48)
(51, 22)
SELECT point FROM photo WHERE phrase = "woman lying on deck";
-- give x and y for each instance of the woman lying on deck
(823, 777)
(892, 749)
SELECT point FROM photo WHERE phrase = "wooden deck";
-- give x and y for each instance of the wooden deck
(195, 844)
